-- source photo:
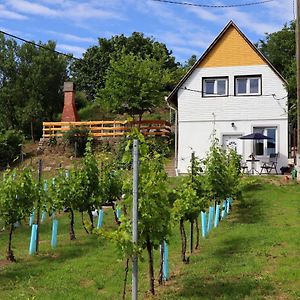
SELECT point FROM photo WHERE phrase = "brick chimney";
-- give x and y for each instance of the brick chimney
(70, 112)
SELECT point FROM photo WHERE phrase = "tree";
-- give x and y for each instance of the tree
(216, 173)
(153, 207)
(111, 185)
(280, 48)
(234, 173)
(8, 76)
(190, 62)
(65, 194)
(39, 84)
(89, 73)
(31, 80)
(89, 180)
(78, 189)
(134, 85)
(189, 202)
(17, 195)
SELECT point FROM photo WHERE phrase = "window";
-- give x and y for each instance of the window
(215, 87)
(268, 146)
(248, 85)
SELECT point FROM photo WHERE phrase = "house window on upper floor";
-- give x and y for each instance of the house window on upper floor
(215, 87)
(248, 85)
(267, 146)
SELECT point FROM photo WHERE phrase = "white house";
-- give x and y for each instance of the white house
(234, 90)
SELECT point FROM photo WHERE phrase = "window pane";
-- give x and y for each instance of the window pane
(241, 86)
(209, 87)
(258, 144)
(259, 147)
(221, 87)
(254, 82)
(271, 144)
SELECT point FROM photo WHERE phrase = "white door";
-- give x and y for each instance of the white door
(233, 141)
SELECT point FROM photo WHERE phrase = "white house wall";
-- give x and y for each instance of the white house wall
(197, 115)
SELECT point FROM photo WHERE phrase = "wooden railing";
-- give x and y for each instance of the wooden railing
(108, 128)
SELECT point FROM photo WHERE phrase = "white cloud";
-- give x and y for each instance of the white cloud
(75, 50)
(72, 37)
(250, 22)
(185, 50)
(7, 14)
(32, 8)
(80, 11)
(75, 10)
(203, 14)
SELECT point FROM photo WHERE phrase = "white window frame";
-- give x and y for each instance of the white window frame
(248, 78)
(265, 142)
(215, 92)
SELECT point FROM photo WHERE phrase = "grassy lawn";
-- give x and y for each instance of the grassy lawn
(253, 254)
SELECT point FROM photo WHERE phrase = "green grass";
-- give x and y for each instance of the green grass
(253, 254)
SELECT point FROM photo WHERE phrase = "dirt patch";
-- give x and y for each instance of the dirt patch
(4, 263)
(279, 180)
(87, 283)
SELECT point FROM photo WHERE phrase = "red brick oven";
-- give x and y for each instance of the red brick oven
(70, 112)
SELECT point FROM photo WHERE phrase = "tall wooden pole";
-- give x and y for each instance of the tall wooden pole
(135, 167)
(298, 85)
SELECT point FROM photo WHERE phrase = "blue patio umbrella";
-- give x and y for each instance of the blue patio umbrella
(255, 136)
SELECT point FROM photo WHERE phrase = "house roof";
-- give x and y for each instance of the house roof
(172, 98)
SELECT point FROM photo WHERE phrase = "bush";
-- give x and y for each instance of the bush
(10, 146)
(79, 135)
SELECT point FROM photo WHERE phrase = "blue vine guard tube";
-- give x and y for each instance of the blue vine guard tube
(118, 213)
(223, 213)
(100, 218)
(211, 213)
(166, 262)
(54, 233)
(217, 216)
(43, 219)
(31, 218)
(32, 245)
(228, 205)
(203, 224)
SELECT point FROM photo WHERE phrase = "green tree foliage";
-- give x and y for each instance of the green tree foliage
(216, 173)
(189, 202)
(8, 77)
(153, 206)
(134, 85)
(31, 80)
(78, 189)
(78, 136)
(10, 146)
(234, 173)
(280, 48)
(66, 194)
(89, 72)
(17, 195)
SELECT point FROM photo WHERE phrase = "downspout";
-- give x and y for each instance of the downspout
(176, 135)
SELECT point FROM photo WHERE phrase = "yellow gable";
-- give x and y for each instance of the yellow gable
(231, 50)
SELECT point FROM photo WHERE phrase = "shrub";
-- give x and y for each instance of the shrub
(79, 135)
(10, 146)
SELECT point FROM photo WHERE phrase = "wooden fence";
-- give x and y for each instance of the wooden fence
(108, 128)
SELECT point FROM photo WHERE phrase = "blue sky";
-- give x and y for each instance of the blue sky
(76, 24)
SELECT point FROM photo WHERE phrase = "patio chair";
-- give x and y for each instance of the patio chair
(270, 165)
(244, 167)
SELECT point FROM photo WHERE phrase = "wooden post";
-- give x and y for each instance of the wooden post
(298, 86)
(38, 208)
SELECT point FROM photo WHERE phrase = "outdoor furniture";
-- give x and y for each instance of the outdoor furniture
(253, 166)
(270, 165)
(244, 167)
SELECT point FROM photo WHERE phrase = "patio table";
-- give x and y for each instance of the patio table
(253, 165)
